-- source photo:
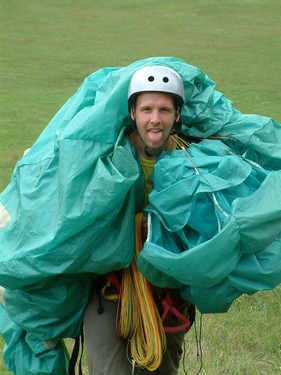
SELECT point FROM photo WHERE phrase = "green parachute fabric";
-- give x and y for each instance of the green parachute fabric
(223, 231)
(25, 354)
(68, 212)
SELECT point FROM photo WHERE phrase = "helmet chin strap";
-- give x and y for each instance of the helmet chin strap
(147, 153)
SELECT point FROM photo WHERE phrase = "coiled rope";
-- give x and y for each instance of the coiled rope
(138, 319)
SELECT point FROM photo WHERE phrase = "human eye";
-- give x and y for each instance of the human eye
(166, 109)
(145, 109)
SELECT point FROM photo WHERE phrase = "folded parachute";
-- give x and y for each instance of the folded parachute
(214, 232)
(68, 211)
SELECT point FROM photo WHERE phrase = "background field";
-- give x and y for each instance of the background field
(48, 47)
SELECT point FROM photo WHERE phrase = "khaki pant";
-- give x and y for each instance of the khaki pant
(107, 353)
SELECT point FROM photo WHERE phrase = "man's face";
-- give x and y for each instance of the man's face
(155, 115)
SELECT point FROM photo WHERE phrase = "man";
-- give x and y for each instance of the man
(155, 99)
(68, 215)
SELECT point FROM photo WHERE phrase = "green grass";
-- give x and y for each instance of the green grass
(244, 341)
(48, 47)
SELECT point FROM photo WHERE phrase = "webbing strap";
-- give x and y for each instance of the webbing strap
(75, 354)
(170, 310)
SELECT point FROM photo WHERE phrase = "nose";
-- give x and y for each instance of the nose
(155, 118)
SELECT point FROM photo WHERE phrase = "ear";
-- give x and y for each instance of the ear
(132, 114)
(178, 115)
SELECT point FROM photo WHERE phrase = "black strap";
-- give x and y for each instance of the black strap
(75, 354)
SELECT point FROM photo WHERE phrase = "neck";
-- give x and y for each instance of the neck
(150, 154)
(147, 153)
(144, 151)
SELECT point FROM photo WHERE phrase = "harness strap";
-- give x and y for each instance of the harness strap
(114, 281)
(167, 301)
(109, 293)
(170, 310)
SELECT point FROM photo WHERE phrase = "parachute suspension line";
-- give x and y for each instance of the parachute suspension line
(218, 205)
(199, 351)
(199, 343)
(183, 357)
(182, 144)
(247, 160)
(218, 221)
(138, 318)
(148, 227)
(133, 366)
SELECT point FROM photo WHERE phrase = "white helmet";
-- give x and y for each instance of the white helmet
(156, 78)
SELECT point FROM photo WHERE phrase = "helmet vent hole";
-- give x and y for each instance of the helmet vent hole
(165, 79)
(151, 78)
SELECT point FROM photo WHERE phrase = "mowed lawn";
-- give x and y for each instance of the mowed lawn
(47, 48)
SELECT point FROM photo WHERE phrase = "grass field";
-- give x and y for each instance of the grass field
(48, 47)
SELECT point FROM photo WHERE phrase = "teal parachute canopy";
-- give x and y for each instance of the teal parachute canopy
(217, 230)
(67, 214)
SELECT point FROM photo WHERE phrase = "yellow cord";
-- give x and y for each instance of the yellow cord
(138, 318)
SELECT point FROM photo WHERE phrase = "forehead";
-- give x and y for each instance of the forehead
(155, 98)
